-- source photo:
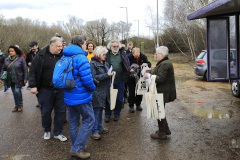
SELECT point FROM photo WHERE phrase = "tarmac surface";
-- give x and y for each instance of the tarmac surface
(192, 137)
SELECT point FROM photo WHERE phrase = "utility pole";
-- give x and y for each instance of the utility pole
(98, 34)
(127, 23)
(138, 27)
(157, 25)
(149, 31)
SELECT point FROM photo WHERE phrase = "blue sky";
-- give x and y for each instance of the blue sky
(52, 11)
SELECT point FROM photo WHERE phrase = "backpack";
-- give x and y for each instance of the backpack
(62, 75)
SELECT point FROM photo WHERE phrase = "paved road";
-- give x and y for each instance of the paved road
(129, 138)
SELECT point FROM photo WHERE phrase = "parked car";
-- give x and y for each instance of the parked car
(219, 68)
(200, 67)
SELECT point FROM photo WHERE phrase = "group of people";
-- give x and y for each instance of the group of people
(93, 68)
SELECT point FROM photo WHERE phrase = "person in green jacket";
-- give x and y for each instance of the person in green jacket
(165, 83)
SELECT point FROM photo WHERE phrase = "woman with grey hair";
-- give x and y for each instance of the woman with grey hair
(101, 95)
(165, 84)
(79, 99)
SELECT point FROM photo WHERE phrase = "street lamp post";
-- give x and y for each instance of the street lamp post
(157, 25)
(127, 23)
(149, 31)
(138, 27)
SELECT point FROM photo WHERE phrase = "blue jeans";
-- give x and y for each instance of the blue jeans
(5, 86)
(98, 120)
(49, 100)
(119, 84)
(79, 139)
(17, 94)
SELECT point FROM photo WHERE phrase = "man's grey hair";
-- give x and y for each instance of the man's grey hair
(100, 50)
(162, 50)
(54, 40)
(78, 40)
(109, 46)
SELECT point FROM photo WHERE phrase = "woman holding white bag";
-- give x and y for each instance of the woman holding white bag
(165, 83)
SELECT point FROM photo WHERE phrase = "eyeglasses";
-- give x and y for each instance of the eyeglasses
(115, 46)
(103, 55)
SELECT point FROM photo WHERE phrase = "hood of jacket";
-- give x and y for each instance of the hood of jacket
(73, 50)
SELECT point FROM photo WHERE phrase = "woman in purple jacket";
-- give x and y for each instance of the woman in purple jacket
(17, 75)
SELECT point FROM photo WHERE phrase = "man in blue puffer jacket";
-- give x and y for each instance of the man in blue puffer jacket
(79, 100)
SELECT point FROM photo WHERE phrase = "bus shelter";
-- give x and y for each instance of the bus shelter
(223, 21)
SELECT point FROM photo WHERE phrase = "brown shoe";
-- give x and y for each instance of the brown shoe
(85, 148)
(159, 135)
(38, 105)
(20, 108)
(15, 109)
(82, 155)
(168, 132)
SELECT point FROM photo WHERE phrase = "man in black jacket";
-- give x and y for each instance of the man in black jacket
(40, 82)
(140, 59)
(117, 58)
(34, 50)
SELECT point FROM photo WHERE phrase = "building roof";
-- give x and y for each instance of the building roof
(217, 7)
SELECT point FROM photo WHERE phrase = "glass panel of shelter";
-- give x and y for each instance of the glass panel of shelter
(238, 44)
(218, 48)
(233, 47)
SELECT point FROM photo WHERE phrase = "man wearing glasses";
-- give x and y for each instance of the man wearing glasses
(117, 58)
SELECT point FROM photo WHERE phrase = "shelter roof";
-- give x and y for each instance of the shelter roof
(218, 7)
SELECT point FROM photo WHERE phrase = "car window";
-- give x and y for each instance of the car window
(220, 55)
(201, 55)
(233, 55)
(216, 55)
(223, 55)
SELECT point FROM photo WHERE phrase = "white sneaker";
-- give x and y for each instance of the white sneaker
(47, 135)
(61, 137)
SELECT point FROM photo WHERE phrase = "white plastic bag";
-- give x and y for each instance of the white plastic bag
(113, 94)
(141, 86)
(154, 101)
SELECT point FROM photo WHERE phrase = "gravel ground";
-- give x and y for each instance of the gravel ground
(204, 121)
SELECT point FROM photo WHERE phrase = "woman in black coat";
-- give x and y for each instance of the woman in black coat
(101, 95)
(17, 75)
(141, 60)
(165, 83)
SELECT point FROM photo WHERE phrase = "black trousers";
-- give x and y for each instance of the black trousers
(126, 91)
(133, 99)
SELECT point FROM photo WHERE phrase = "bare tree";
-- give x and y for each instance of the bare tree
(91, 29)
(74, 26)
(123, 29)
(191, 34)
(104, 30)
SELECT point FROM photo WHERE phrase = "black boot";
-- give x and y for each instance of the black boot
(161, 134)
(168, 132)
(131, 109)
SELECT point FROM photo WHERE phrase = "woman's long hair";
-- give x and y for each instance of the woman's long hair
(16, 49)
(90, 42)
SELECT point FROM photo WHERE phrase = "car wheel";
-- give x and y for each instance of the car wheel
(214, 74)
(235, 88)
(205, 76)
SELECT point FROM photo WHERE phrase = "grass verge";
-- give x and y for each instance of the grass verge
(1, 86)
(174, 57)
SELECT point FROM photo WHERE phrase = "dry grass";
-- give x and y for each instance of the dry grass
(1, 86)
(174, 57)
